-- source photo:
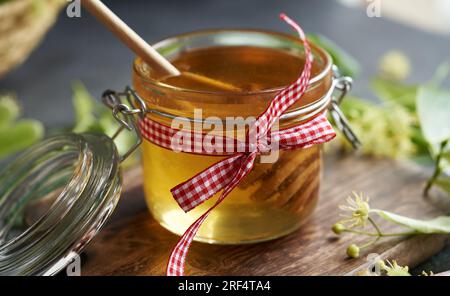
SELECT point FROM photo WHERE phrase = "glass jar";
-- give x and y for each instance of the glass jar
(275, 198)
(54, 198)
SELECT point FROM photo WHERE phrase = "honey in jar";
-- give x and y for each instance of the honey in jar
(275, 198)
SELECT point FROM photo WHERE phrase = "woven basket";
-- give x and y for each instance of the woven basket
(23, 23)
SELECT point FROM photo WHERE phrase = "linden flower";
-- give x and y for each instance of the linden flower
(359, 209)
(395, 65)
(393, 269)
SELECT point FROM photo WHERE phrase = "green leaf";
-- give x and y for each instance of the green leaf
(445, 159)
(395, 92)
(109, 126)
(441, 73)
(9, 110)
(92, 116)
(84, 106)
(171, 49)
(433, 108)
(19, 136)
(347, 64)
(446, 155)
(420, 142)
(437, 225)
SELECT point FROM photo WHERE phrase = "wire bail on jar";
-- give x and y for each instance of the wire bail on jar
(343, 84)
(127, 114)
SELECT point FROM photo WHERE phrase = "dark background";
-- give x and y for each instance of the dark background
(81, 49)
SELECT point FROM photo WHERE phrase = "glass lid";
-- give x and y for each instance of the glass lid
(54, 198)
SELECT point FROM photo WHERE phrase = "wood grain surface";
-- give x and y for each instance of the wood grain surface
(133, 243)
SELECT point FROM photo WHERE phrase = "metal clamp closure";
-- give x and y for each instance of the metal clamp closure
(126, 114)
(342, 84)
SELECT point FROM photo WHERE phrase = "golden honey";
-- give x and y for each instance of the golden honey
(275, 198)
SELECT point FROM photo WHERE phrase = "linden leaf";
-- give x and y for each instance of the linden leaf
(84, 106)
(437, 225)
(19, 136)
(433, 108)
(9, 111)
(441, 73)
(92, 116)
(347, 64)
(396, 92)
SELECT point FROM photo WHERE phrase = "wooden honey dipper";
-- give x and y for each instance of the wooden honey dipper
(141, 48)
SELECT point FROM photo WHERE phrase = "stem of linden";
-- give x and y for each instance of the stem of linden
(407, 233)
(437, 169)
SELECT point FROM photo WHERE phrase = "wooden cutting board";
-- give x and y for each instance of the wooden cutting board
(132, 243)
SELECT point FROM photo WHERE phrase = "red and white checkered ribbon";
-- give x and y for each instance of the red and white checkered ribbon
(226, 174)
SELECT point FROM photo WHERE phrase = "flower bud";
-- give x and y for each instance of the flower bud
(338, 228)
(353, 251)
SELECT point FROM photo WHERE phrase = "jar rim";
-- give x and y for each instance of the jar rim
(158, 45)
